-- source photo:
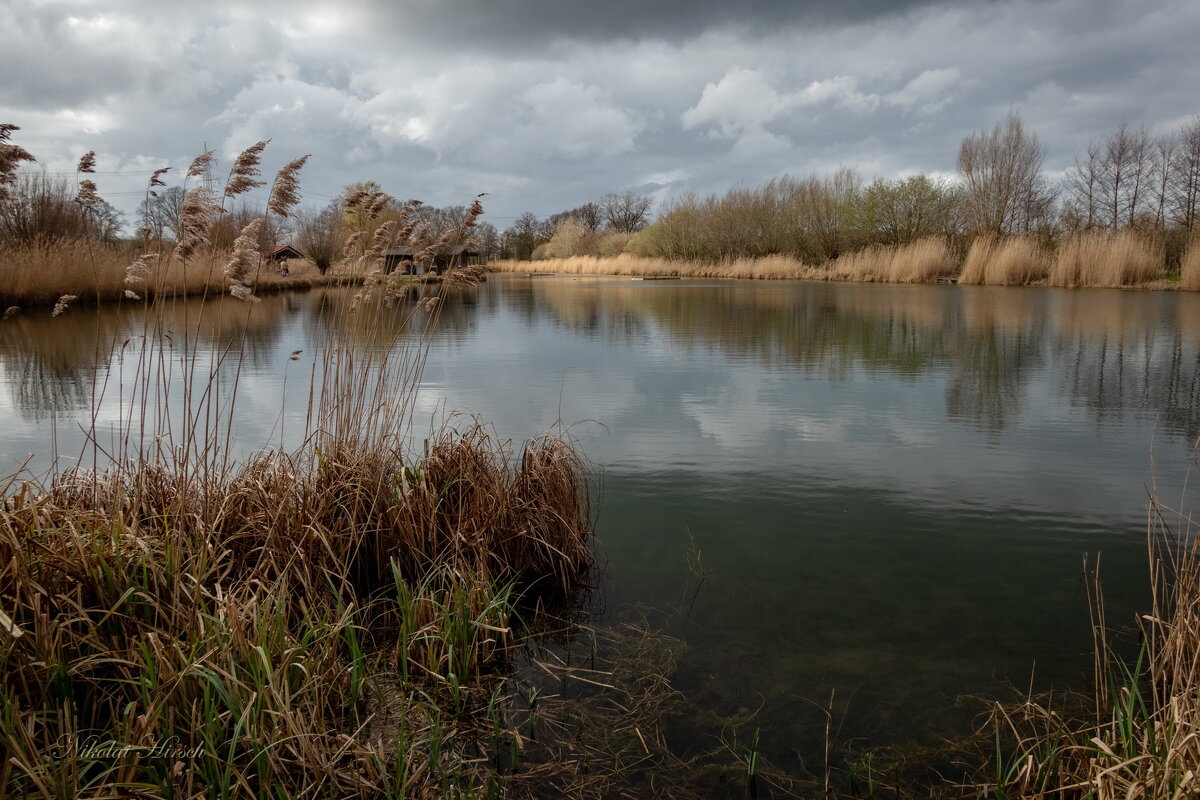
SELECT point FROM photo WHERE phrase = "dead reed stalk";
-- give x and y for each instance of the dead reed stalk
(1107, 259)
(1005, 261)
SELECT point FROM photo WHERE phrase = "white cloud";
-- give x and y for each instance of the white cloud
(578, 121)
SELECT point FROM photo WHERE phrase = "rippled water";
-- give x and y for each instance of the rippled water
(891, 489)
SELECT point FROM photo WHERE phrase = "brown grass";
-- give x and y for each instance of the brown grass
(1005, 261)
(37, 274)
(920, 262)
(1139, 736)
(327, 622)
(1189, 267)
(1107, 259)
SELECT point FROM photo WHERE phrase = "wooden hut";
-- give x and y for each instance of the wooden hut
(404, 260)
(282, 253)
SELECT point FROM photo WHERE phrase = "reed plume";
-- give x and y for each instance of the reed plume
(199, 212)
(285, 192)
(63, 303)
(200, 164)
(87, 194)
(243, 262)
(243, 176)
(137, 271)
(156, 180)
(11, 156)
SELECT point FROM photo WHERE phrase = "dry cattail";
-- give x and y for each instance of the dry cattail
(195, 218)
(87, 163)
(87, 194)
(285, 191)
(244, 261)
(244, 173)
(62, 304)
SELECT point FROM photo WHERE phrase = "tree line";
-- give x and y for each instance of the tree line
(1129, 179)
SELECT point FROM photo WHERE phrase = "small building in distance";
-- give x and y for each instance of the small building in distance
(404, 260)
(282, 253)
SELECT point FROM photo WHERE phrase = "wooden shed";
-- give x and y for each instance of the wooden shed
(283, 252)
(404, 259)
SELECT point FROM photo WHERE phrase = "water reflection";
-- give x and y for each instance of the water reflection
(1113, 350)
(891, 487)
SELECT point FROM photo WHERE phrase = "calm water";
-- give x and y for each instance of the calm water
(891, 489)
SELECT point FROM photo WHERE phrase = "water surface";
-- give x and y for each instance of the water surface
(884, 492)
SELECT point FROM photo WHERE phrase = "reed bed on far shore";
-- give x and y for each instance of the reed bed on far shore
(1107, 259)
(923, 261)
(768, 267)
(1007, 261)
(1189, 268)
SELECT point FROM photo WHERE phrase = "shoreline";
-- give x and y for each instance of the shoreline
(769, 268)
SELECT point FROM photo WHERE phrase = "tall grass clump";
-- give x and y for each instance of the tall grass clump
(330, 620)
(1189, 267)
(1107, 259)
(1138, 736)
(922, 261)
(1005, 261)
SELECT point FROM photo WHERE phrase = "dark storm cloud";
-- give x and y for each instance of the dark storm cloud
(534, 21)
(549, 104)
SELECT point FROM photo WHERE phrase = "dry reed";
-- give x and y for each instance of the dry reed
(1139, 736)
(1107, 259)
(1189, 267)
(923, 261)
(1005, 261)
(920, 262)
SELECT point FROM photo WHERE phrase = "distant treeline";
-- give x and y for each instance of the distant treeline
(1147, 187)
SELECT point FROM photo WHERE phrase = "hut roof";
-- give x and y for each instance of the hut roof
(283, 251)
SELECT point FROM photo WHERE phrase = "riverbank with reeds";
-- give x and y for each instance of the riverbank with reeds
(1095, 259)
(36, 275)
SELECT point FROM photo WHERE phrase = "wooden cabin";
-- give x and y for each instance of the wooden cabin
(404, 260)
(282, 253)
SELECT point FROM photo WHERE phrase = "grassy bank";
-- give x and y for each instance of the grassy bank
(1089, 259)
(37, 274)
(330, 623)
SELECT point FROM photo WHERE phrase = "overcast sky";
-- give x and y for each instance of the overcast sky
(547, 104)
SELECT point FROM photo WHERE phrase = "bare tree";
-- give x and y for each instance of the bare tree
(626, 213)
(160, 215)
(319, 235)
(105, 220)
(1185, 195)
(526, 233)
(590, 215)
(1166, 151)
(1005, 191)
(1083, 180)
(1123, 178)
(487, 240)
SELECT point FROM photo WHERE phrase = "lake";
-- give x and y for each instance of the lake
(876, 491)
